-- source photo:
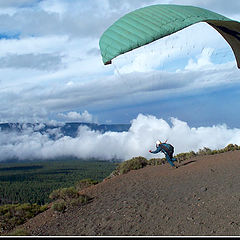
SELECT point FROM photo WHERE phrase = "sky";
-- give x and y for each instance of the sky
(51, 71)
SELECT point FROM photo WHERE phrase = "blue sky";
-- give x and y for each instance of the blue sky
(207, 109)
(51, 68)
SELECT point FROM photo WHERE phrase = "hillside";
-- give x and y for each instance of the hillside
(200, 198)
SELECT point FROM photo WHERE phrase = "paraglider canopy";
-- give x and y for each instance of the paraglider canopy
(151, 23)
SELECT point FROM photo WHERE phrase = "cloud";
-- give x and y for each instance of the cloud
(220, 6)
(19, 112)
(17, 3)
(77, 117)
(34, 45)
(60, 37)
(94, 51)
(60, 95)
(45, 62)
(202, 61)
(57, 17)
(61, 17)
(141, 137)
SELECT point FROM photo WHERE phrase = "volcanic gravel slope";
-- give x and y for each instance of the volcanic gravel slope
(200, 198)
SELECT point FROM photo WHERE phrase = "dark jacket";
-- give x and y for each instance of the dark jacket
(165, 148)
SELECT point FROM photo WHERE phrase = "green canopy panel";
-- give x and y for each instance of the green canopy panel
(151, 23)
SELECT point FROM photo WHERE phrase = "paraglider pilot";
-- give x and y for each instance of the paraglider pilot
(167, 149)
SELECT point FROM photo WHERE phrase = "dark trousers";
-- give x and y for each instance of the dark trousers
(170, 160)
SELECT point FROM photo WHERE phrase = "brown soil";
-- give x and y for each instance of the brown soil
(200, 198)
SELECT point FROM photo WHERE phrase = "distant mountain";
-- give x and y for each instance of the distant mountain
(67, 129)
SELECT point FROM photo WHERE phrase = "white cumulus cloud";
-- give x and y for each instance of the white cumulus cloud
(75, 116)
(137, 141)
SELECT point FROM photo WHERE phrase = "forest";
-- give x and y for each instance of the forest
(33, 181)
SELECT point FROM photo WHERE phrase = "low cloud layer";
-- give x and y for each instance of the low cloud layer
(140, 138)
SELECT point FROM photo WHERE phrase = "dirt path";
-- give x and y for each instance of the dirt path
(200, 198)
